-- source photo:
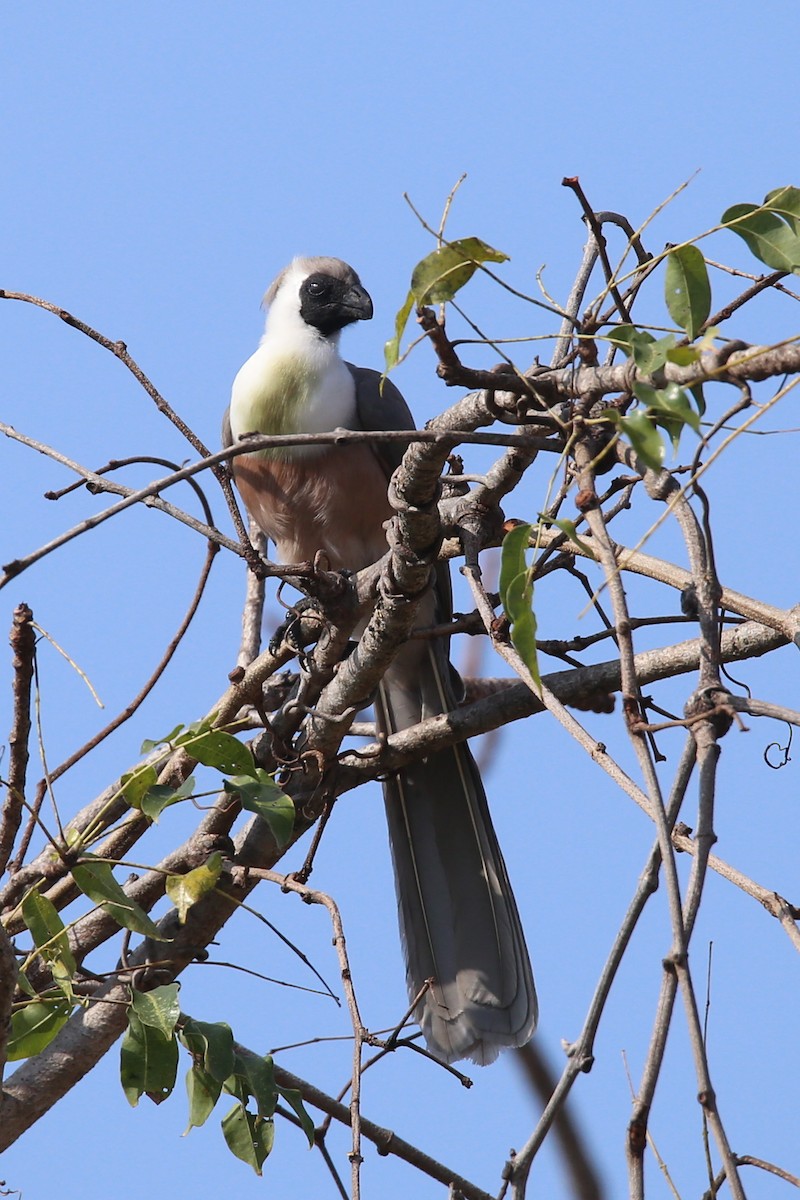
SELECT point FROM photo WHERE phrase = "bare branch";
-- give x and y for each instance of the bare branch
(386, 1141)
(581, 1053)
(23, 645)
(287, 883)
(120, 351)
(788, 914)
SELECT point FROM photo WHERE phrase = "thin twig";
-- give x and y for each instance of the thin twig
(482, 266)
(120, 351)
(784, 912)
(573, 183)
(386, 1140)
(581, 1052)
(127, 712)
(311, 896)
(150, 494)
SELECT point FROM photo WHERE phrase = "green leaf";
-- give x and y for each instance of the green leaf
(391, 351)
(626, 336)
(253, 1076)
(34, 1027)
(135, 785)
(671, 400)
(159, 797)
(148, 1062)
(216, 748)
(642, 434)
(295, 1100)
(512, 558)
(249, 1137)
(49, 935)
(203, 1091)
(516, 596)
(786, 201)
(150, 744)
(212, 1044)
(769, 238)
(95, 879)
(24, 985)
(687, 289)
(159, 1008)
(571, 530)
(519, 608)
(186, 890)
(699, 399)
(651, 356)
(648, 354)
(670, 408)
(436, 279)
(149, 1051)
(263, 796)
(441, 274)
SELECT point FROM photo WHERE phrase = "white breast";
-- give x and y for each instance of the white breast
(277, 391)
(296, 382)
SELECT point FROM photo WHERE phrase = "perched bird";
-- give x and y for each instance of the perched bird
(458, 917)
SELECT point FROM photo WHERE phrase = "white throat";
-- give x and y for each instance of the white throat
(296, 382)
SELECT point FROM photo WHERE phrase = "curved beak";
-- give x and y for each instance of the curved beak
(357, 303)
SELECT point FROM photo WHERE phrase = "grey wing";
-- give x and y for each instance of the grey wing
(380, 405)
(227, 435)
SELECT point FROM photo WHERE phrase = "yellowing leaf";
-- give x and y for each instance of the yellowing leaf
(186, 890)
(440, 275)
(436, 279)
(391, 351)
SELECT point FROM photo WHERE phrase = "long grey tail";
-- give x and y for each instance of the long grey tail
(458, 918)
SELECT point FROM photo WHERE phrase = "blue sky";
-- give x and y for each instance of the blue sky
(160, 164)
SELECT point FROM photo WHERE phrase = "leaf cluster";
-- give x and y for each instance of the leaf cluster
(254, 787)
(149, 1059)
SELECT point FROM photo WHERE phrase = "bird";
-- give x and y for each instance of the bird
(459, 923)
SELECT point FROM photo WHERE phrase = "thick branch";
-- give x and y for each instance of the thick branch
(753, 364)
(516, 701)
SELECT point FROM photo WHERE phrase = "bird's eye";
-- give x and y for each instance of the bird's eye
(316, 288)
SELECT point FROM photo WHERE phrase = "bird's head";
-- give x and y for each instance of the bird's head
(324, 293)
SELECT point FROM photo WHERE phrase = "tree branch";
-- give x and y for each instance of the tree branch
(23, 646)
